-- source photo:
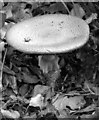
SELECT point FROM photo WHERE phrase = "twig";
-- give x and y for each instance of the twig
(65, 6)
(1, 70)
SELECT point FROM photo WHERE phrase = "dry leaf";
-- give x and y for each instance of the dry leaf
(44, 90)
(1, 5)
(20, 13)
(91, 107)
(11, 81)
(2, 19)
(91, 87)
(28, 78)
(77, 11)
(75, 102)
(10, 114)
(40, 89)
(4, 29)
(55, 8)
(91, 18)
(23, 89)
(37, 101)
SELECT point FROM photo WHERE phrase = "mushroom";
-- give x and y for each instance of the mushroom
(48, 34)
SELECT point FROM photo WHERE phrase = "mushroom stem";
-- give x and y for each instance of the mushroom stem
(48, 63)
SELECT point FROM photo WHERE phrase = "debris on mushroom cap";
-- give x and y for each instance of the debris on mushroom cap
(53, 33)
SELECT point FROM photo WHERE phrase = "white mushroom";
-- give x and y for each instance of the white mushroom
(52, 33)
(48, 34)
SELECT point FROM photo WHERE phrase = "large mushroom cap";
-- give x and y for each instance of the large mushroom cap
(52, 33)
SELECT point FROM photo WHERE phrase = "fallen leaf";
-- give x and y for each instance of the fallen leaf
(11, 81)
(4, 29)
(28, 78)
(75, 102)
(77, 11)
(20, 13)
(40, 89)
(10, 114)
(64, 114)
(9, 13)
(91, 87)
(89, 108)
(2, 19)
(54, 8)
(37, 101)
(91, 18)
(23, 89)
(7, 70)
(1, 5)
(8, 92)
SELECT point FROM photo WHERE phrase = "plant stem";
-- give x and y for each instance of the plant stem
(65, 6)
(1, 69)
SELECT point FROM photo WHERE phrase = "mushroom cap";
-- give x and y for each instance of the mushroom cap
(52, 33)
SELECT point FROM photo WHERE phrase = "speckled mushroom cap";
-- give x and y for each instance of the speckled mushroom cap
(52, 33)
